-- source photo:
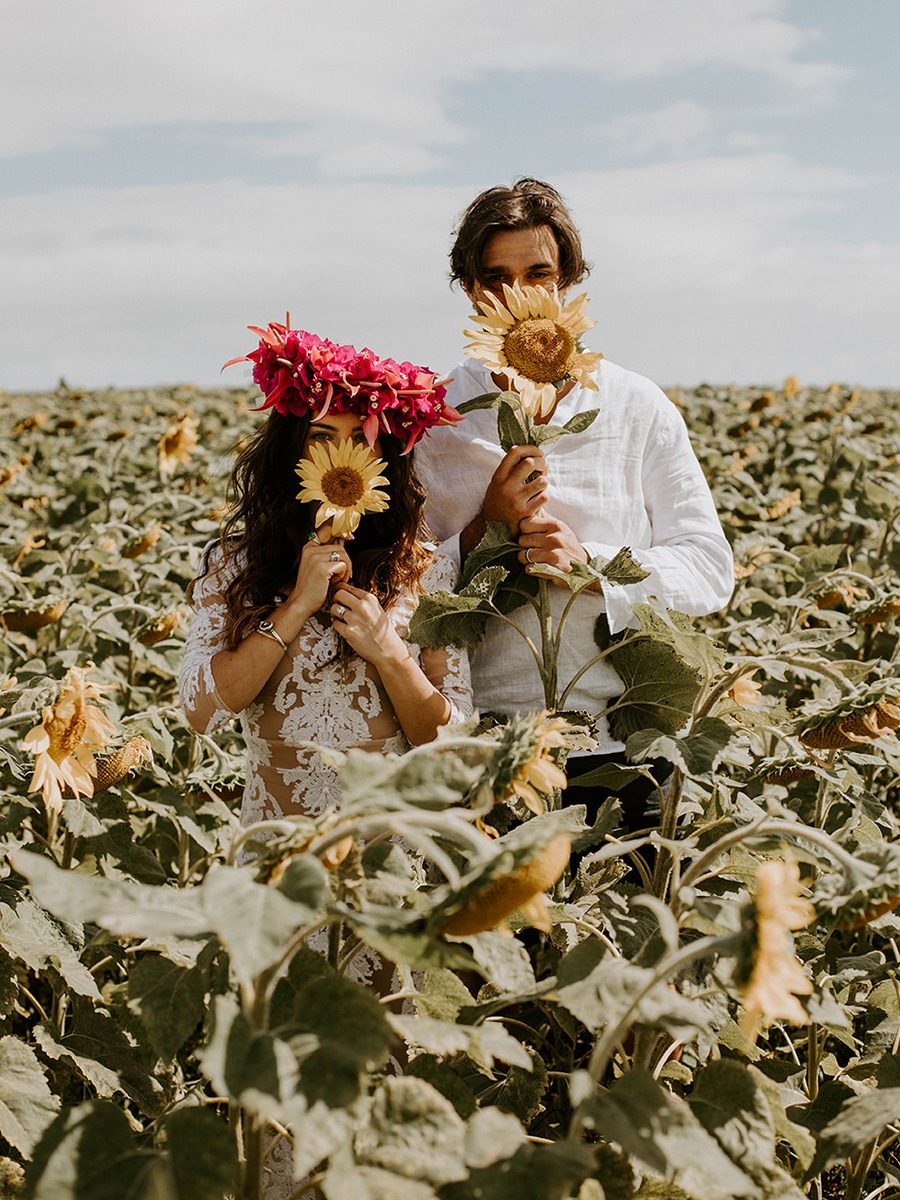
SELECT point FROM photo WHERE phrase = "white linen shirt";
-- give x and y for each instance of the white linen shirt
(631, 479)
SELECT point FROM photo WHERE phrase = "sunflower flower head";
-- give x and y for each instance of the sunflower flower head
(64, 742)
(178, 443)
(854, 721)
(776, 978)
(525, 765)
(533, 339)
(345, 478)
(521, 890)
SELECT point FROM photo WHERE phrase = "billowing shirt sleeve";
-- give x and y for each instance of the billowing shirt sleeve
(689, 560)
(447, 667)
(205, 708)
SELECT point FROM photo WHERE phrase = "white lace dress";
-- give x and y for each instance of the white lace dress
(320, 692)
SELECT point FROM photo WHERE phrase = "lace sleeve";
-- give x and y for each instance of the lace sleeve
(447, 668)
(205, 708)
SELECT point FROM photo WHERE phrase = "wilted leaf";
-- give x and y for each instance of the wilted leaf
(256, 1068)
(696, 753)
(663, 669)
(449, 619)
(731, 1106)
(102, 1054)
(413, 1131)
(533, 1172)
(623, 568)
(253, 922)
(858, 1123)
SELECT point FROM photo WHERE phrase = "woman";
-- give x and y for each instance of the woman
(301, 631)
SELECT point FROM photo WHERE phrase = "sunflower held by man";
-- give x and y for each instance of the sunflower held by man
(345, 478)
(533, 339)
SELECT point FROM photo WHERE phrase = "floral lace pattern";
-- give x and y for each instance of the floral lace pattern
(319, 693)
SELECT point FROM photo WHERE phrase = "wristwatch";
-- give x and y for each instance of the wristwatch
(267, 629)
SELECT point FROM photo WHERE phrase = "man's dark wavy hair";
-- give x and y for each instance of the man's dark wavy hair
(266, 526)
(528, 204)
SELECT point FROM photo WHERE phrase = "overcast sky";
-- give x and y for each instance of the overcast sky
(174, 170)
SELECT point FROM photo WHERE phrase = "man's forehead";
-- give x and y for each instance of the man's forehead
(521, 248)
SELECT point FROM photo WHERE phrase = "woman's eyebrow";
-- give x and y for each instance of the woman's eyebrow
(331, 428)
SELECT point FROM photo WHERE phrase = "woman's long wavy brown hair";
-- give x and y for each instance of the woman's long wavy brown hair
(266, 526)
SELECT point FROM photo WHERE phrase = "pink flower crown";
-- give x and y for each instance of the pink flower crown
(301, 374)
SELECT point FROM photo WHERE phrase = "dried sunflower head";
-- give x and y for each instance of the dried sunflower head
(140, 545)
(521, 890)
(177, 444)
(159, 628)
(112, 768)
(880, 611)
(856, 721)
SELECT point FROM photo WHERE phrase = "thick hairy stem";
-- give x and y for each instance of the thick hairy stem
(549, 663)
(252, 1158)
(671, 803)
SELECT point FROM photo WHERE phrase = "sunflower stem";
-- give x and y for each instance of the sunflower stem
(549, 648)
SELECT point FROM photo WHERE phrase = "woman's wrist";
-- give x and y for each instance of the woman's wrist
(289, 618)
(392, 656)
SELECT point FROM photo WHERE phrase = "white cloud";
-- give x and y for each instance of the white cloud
(358, 70)
(708, 269)
(672, 128)
(704, 269)
(143, 285)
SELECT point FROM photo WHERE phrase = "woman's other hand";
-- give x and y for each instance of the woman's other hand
(363, 624)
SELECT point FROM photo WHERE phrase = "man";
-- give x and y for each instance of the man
(630, 479)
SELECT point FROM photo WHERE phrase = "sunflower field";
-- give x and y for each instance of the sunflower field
(708, 1009)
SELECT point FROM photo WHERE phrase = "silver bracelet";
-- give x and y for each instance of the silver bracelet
(267, 629)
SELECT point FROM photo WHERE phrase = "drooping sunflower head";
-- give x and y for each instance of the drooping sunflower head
(178, 443)
(525, 764)
(64, 742)
(532, 338)
(773, 977)
(345, 478)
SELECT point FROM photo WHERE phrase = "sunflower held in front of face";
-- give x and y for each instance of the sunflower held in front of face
(532, 338)
(345, 478)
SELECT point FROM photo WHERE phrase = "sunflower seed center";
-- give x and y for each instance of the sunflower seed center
(343, 486)
(539, 349)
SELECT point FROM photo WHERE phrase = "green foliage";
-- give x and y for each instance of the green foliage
(169, 1003)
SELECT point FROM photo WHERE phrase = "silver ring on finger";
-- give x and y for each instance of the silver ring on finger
(339, 611)
(335, 557)
(528, 557)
